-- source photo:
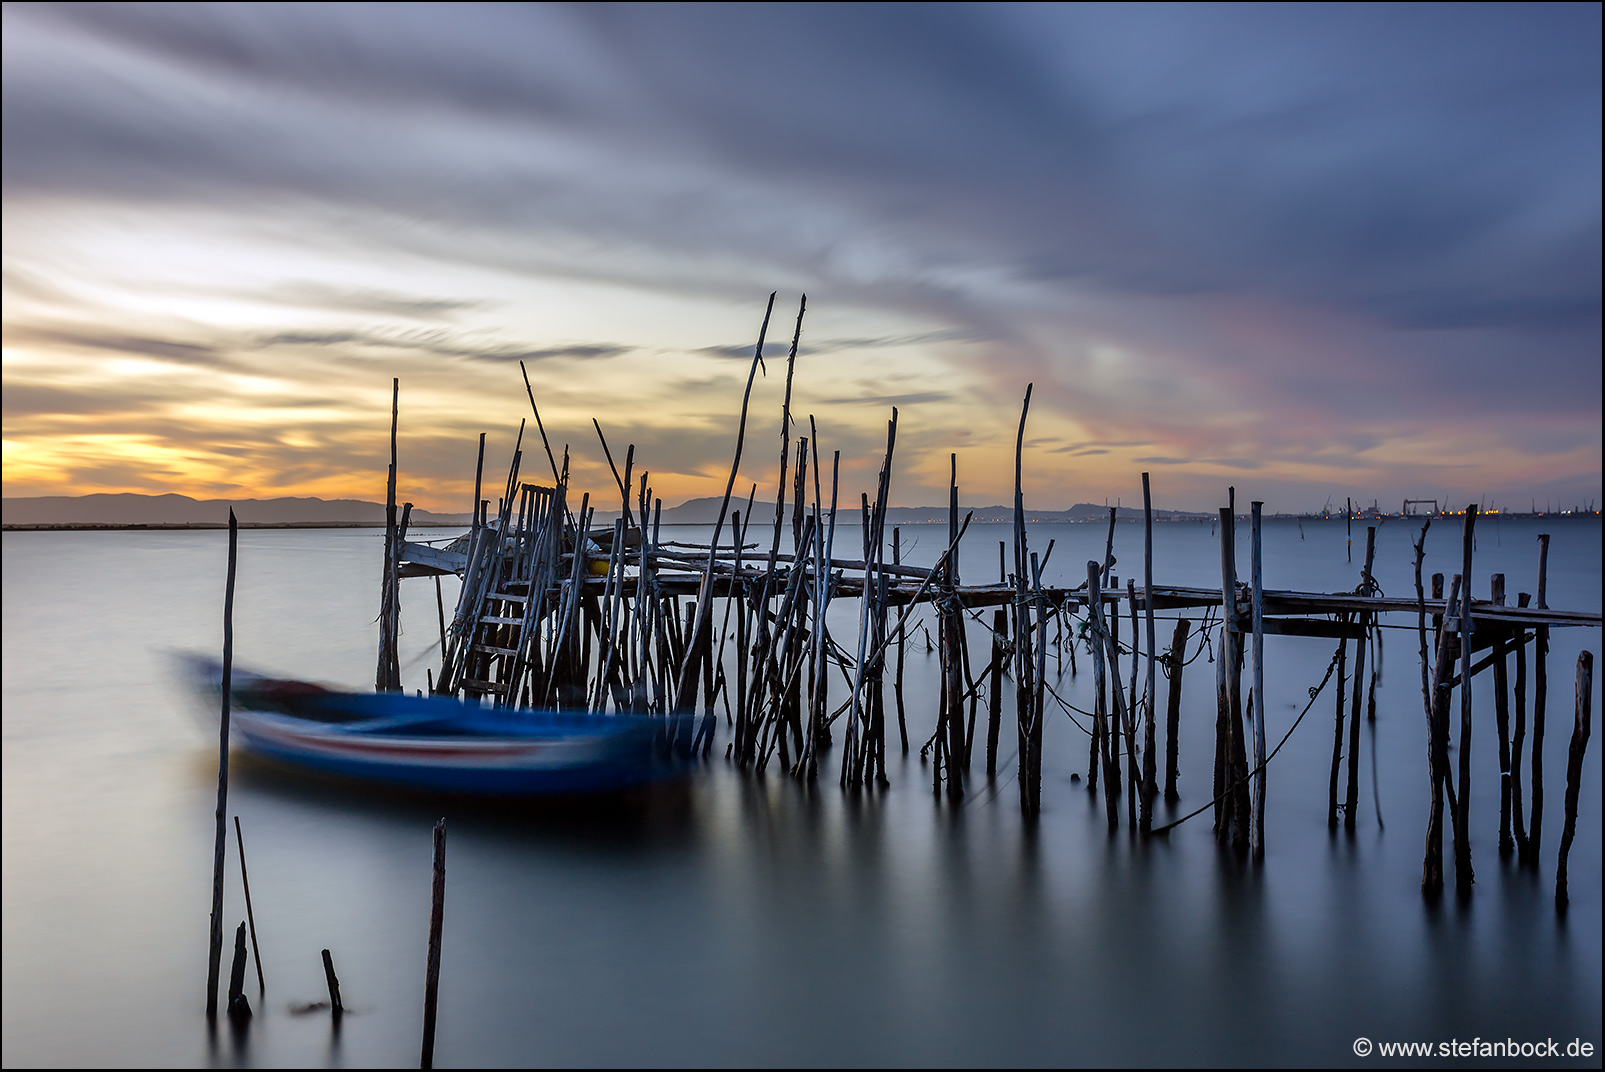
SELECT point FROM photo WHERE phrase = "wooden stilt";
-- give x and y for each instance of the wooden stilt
(1535, 829)
(1175, 662)
(1574, 770)
(1463, 872)
(1257, 836)
(215, 958)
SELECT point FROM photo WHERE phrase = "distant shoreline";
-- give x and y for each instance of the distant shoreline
(1127, 518)
(112, 526)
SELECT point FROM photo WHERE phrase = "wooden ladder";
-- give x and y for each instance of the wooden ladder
(512, 566)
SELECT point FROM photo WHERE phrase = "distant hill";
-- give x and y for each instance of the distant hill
(705, 511)
(129, 509)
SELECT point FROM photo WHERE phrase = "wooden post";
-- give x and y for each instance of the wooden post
(1438, 743)
(437, 916)
(250, 916)
(1574, 769)
(385, 677)
(685, 687)
(1535, 829)
(335, 1005)
(902, 644)
(214, 962)
(1351, 805)
(1502, 721)
(1337, 735)
(994, 694)
(1024, 687)
(1175, 663)
(238, 1007)
(1463, 873)
(1101, 731)
(1149, 760)
(479, 473)
(1518, 826)
(1257, 836)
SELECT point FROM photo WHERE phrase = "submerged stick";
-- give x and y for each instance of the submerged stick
(1175, 662)
(334, 984)
(1535, 829)
(214, 962)
(1574, 769)
(1149, 759)
(238, 1007)
(1463, 872)
(250, 916)
(1257, 836)
(437, 915)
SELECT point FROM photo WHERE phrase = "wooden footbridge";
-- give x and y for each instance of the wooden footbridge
(556, 611)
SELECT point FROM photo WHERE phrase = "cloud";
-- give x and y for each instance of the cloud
(912, 398)
(1220, 234)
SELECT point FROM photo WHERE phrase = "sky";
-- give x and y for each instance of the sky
(1308, 251)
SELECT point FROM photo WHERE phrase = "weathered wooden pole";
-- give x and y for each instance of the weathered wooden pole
(1149, 759)
(1101, 730)
(1024, 687)
(387, 675)
(214, 963)
(994, 693)
(1257, 837)
(1337, 735)
(437, 917)
(1574, 769)
(335, 1005)
(479, 474)
(1438, 743)
(1518, 825)
(1535, 829)
(685, 687)
(1351, 805)
(238, 1007)
(250, 916)
(1348, 515)
(902, 646)
(1175, 662)
(1463, 873)
(1507, 845)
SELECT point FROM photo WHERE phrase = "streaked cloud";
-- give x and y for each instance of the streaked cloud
(1330, 247)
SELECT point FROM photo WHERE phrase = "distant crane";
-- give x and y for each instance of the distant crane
(1408, 503)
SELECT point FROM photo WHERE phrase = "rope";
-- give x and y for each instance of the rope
(1314, 692)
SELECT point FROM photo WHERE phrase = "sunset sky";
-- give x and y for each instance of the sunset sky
(1309, 251)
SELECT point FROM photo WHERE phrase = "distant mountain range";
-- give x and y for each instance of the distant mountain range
(705, 511)
(179, 510)
(127, 509)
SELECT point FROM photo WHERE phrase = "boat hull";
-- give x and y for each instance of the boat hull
(440, 744)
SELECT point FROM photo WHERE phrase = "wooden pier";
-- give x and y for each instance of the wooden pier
(557, 611)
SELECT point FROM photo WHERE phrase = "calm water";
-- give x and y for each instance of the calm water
(740, 922)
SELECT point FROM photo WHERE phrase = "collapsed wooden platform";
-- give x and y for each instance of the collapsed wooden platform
(555, 611)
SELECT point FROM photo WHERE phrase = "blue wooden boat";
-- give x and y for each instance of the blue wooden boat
(439, 743)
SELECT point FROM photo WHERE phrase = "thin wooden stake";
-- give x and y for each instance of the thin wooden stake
(214, 962)
(256, 950)
(238, 1007)
(1463, 872)
(1177, 661)
(437, 916)
(1149, 759)
(1257, 837)
(1574, 770)
(1535, 829)
(335, 1005)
